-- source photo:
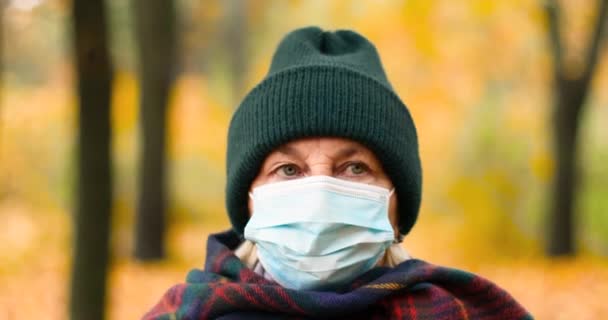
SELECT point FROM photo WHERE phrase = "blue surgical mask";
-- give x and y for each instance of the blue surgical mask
(319, 232)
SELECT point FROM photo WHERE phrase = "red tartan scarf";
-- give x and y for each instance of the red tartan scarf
(414, 289)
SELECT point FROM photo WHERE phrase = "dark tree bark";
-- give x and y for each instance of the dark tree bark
(2, 5)
(235, 46)
(156, 48)
(94, 194)
(570, 93)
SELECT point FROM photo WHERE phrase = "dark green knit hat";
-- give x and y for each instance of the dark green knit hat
(331, 84)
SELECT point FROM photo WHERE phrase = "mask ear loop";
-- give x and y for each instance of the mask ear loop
(399, 238)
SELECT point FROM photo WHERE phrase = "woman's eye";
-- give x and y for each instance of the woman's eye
(288, 170)
(356, 168)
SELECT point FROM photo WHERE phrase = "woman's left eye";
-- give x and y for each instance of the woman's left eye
(356, 168)
(288, 170)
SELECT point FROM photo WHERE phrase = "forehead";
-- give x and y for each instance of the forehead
(326, 145)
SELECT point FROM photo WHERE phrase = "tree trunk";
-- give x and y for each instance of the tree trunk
(235, 45)
(94, 193)
(156, 42)
(2, 5)
(570, 92)
(567, 110)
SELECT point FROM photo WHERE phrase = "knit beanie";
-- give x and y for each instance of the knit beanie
(323, 84)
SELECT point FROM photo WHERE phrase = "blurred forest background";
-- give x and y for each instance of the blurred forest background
(113, 122)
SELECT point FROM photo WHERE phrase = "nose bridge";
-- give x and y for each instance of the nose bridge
(320, 164)
(321, 160)
(321, 168)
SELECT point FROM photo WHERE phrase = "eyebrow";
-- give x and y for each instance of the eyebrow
(347, 152)
(287, 150)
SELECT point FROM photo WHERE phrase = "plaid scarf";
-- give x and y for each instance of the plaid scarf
(414, 289)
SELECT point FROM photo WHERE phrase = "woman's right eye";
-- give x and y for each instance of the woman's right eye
(288, 170)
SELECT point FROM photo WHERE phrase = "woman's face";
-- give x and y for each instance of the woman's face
(335, 157)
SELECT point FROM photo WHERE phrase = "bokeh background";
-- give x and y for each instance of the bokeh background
(476, 75)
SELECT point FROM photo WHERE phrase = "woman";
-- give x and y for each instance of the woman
(323, 182)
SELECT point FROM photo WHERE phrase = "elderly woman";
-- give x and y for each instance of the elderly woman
(323, 182)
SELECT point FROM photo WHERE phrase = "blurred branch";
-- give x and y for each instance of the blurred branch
(552, 11)
(595, 46)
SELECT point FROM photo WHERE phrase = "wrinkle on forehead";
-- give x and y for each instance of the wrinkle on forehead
(331, 148)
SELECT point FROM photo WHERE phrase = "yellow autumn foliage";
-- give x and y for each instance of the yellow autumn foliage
(476, 78)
